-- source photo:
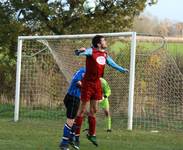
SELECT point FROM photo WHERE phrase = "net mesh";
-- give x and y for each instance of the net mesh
(158, 92)
(48, 66)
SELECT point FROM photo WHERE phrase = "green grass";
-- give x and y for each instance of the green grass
(173, 48)
(6, 110)
(45, 135)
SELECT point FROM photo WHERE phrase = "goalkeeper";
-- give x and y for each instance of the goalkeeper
(104, 104)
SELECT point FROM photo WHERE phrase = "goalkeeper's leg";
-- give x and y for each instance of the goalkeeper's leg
(104, 104)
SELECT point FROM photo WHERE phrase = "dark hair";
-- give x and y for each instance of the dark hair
(96, 40)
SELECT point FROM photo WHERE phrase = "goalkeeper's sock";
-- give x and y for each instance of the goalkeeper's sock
(66, 134)
(92, 125)
(78, 122)
(109, 123)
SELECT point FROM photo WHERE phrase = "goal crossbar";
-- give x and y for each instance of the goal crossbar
(81, 36)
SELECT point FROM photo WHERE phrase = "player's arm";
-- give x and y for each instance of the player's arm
(112, 64)
(83, 52)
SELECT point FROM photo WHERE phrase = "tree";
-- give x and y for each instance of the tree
(9, 30)
(148, 24)
(68, 17)
(30, 17)
(179, 28)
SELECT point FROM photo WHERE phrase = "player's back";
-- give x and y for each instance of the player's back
(74, 89)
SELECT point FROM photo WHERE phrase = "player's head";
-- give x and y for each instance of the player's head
(99, 41)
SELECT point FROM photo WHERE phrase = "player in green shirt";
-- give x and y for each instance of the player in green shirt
(104, 104)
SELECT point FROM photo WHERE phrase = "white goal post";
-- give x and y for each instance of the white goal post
(21, 40)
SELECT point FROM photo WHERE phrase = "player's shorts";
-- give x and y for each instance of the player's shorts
(72, 106)
(104, 104)
(91, 90)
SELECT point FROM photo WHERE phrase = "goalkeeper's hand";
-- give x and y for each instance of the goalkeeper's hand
(105, 96)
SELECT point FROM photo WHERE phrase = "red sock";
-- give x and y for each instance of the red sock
(78, 122)
(92, 125)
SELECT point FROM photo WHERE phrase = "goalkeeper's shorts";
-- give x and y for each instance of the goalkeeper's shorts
(104, 104)
(91, 90)
(72, 105)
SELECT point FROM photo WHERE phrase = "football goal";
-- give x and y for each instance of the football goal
(150, 96)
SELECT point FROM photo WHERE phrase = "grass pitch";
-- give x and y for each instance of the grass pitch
(45, 135)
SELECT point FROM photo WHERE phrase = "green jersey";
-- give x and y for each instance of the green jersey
(106, 90)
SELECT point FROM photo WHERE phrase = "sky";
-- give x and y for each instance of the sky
(167, 9)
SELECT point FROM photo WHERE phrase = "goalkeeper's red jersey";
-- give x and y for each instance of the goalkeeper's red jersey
(95, 65)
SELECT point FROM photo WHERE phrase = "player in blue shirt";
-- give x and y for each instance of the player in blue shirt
(71, 102)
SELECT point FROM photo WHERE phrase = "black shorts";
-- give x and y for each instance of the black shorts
(72, 106)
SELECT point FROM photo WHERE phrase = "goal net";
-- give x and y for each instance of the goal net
(158, 87)
(47, 63)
